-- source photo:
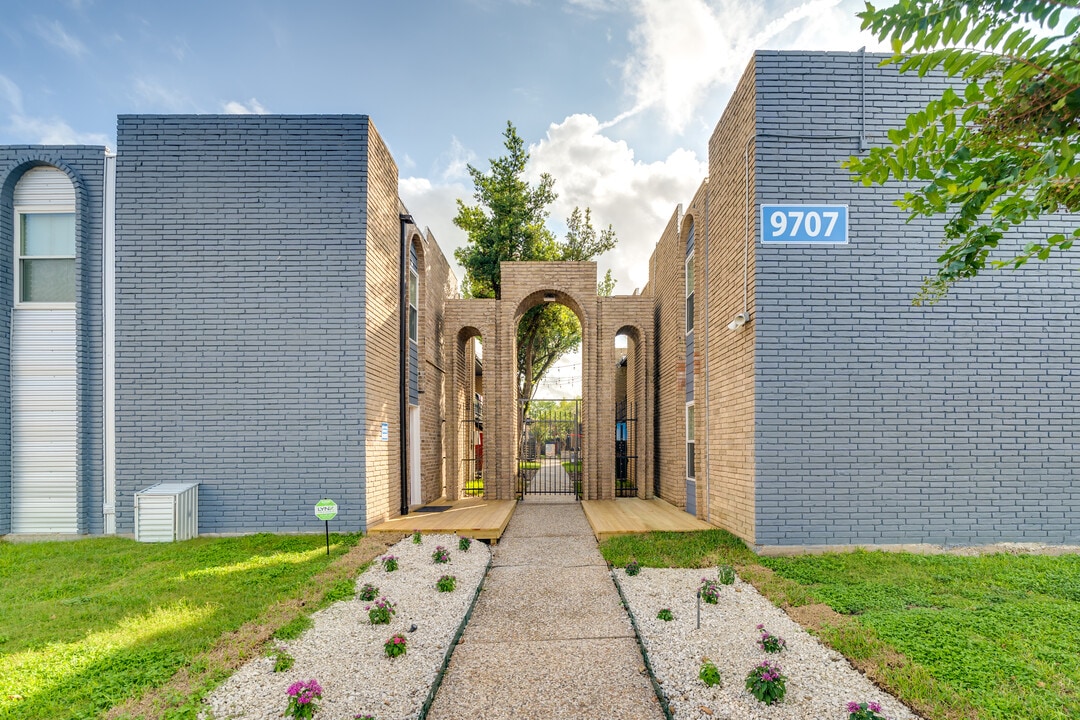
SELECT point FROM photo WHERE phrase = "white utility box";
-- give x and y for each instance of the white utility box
(167, 512)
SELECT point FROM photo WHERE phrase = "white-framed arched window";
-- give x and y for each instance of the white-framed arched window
(44, 239)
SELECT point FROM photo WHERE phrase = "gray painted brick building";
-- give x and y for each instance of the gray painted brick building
(261, 333)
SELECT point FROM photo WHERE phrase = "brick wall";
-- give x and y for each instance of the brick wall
(725, 359)
(667, 288)
(85, 166)
(240, 315)
(382, 340)
(880, 422)
(439, 284)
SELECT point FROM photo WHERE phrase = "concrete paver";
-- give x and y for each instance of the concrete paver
(548, 638)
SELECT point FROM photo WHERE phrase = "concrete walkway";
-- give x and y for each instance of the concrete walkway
(548, 638)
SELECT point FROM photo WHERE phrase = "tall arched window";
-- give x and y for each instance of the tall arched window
(44, 239)
(43, 372)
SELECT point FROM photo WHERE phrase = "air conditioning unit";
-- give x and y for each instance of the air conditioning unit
(167, 512)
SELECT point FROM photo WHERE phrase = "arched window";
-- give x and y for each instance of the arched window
(44, 239)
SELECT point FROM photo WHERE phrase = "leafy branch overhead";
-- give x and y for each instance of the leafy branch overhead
(508, 223)
(999, 148)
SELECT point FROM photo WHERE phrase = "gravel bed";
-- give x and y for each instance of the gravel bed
(820, 681)
(344, 652)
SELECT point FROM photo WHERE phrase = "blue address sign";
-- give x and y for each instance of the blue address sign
(804, 224)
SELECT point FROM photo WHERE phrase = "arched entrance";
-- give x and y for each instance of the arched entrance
(506, 436)
(550, 438)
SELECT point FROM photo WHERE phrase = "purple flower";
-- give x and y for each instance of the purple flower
(876, 707)
(760, 627)
(854, 707)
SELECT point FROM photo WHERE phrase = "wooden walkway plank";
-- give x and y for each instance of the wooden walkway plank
(625, 516)
(471, 517)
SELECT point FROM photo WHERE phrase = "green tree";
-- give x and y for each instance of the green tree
(998, 149)
(509, 222)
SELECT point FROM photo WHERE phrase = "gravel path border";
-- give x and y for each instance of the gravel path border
(344, 652)
(820, 682)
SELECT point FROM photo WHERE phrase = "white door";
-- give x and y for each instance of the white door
(414, 456)
(43, 421)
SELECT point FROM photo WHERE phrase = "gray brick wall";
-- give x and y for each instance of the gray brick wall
(240, 316)
(880, 422)
(85, 166)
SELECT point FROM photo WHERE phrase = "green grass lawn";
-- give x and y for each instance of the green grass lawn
(86, 625)
(994, 637)
(572, 467)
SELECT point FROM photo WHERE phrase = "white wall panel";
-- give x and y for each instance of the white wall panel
(43, 421)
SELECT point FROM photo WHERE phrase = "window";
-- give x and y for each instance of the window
(45, 257)
(414, 281)
(690, 440)
(690, 293)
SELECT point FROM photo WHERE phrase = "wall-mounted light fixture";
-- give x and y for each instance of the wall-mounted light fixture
(738, 321)
(550, 297)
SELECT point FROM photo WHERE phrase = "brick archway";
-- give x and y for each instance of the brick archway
(524, 285)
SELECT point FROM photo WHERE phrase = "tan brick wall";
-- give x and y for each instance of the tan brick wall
(382, 351)
(728, 400)
(666, 287)
(437, 284)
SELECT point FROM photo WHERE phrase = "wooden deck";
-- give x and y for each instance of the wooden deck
(472, 517)
(625, 516)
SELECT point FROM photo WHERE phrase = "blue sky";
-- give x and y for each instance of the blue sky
(617, 98)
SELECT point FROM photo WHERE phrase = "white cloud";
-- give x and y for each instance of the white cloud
(681, 57)
(52, 131)
(457, 160)
(11, 94)
(52, 32)
(39, 131)
(635, 197)
(152, 96)
(434, 205)
(252, 107)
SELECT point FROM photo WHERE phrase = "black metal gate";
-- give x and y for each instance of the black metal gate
(625, 449)
(549, 451)
(473, 459)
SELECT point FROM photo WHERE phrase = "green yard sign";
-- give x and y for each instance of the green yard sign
(325, 509)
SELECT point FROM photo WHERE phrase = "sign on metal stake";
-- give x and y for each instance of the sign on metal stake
(326, 510)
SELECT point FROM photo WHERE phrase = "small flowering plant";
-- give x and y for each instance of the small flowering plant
(395, 646)
(380, 611)
(864, 711)
(767, 683)
(363, 717)
(417, 538)
(770, 643)
(368, 592)
(389, 563)
(665, 615)
(464, 543)
(441, 556)
(302, 697)
(709, 591)
(632, 568)
(446, 583)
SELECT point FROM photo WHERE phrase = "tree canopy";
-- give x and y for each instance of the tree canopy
(509, 222)
(1002, 146)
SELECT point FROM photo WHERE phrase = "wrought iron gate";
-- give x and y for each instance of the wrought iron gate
(473, 459)
(625, 449)
(549, 451)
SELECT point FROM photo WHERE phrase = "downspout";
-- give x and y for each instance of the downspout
(403, 365)
(746, 227)
(108, 355)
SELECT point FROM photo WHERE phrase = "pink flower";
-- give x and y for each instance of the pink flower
(854, 707)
